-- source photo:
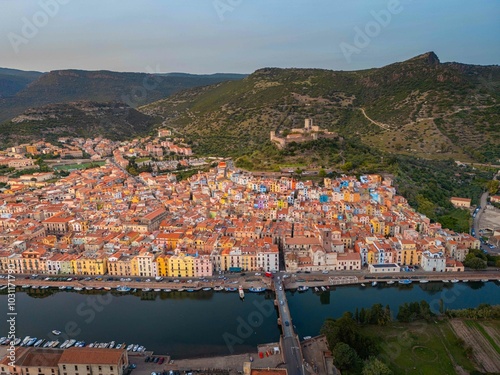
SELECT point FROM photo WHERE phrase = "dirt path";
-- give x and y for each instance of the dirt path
(379, 124)
(484, 354)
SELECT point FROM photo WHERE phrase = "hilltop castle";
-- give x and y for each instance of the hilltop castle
(309, 132)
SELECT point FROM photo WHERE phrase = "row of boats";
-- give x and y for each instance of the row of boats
(125, 289)
(422, 281)
(42, 343)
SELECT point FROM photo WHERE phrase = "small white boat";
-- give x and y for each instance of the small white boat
(241, 292)
(206, 289)
(56, 332)
(55, 343)
(88, 288)
(374, 283)
(323, 289)
(454, 281)
(64, 344)
(446, 281)
(134, 349)
(465, 281)
(390, 282)
(130, 347)
(485, 280)
(157, 289)
(62, 287)
(167, 290)
(363, 285)
(423, 281)
(77, 288)
(25, 286)
(146, 290)
(316, 289)
(218, 288)
(111, 344)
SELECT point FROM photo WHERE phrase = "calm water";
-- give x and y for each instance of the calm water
(186, 324)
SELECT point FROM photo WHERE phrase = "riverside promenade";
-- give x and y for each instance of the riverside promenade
(291, 281)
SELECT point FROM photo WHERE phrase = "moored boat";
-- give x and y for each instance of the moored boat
(167, 290)
(404, 281)
(465, 281)
(485, 280)
(123, 289)
(206, 289)
(257, 289)
(446, 281)
(241, 292)
(218, 288)
(77, 288)
(374, 283)
(230, 289)
(390, 282)
(130, 347)
(423, 281)
(303, 288)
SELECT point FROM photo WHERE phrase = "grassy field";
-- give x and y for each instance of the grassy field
(421, 348)
(79, 166)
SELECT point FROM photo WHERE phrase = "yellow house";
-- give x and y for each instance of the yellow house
(89, 266)
(162, 265)
(181, 265)
(408, 253)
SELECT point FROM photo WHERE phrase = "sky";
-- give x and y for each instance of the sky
(240, 36)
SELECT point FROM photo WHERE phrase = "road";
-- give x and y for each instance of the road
(291, 344)
(475, 225)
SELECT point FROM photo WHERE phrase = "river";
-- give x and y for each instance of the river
(184, 324)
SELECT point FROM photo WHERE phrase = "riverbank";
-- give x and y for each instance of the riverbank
(290, 283)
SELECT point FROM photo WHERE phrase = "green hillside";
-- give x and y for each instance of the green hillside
(418, 107)
(12, 81)
(115, 121)
(134, 89)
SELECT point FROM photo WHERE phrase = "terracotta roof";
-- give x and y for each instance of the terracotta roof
(91, 356)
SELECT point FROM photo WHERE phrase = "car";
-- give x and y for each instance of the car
(281, 288)
(132, 365)
(138, 280)
(161, 360)
(190, 281)
(287, 323)
(148, 280)
(156, 359)
(242, 274)
(307, 271)
(324, 272)
(258, 274)
(176, 281)
(282, 303)
(147, 359)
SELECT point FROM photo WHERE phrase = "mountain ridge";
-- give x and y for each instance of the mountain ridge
(420, 95)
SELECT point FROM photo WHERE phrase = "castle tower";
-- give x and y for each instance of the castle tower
(308, 123)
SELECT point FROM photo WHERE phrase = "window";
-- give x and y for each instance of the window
(76, 367)
(100, 368)
(64, 368)
(88, 368)
(111, 368)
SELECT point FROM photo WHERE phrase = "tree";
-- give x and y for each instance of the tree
(344, 356)
(375, 367)
(475, 263)
(322, 173)
(492, 186)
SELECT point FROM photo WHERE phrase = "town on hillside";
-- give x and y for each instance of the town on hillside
(103, 220)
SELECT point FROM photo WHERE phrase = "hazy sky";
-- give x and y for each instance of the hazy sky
(207, 36)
